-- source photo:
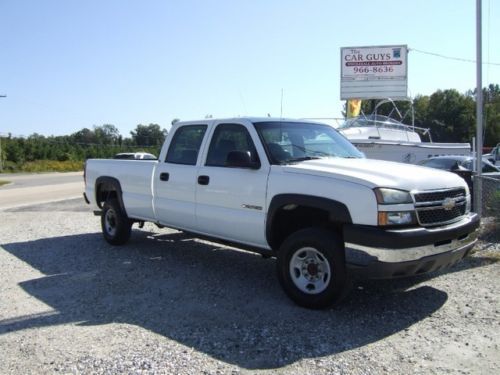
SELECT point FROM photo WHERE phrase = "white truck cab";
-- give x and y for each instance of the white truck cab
(295, 190)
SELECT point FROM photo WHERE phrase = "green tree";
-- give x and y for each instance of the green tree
(491, 124)
(13, 149)
(106, 134)
(451, 116)
(148, 135)
(84, 136)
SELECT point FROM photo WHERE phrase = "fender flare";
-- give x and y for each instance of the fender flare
(338, 211)
(110, 184)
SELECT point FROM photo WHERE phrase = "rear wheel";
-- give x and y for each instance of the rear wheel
(116, 226)
(311, 268)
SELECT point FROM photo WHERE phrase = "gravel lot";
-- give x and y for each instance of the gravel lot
(167, 303)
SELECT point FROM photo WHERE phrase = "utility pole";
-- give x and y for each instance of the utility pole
(1, 159)
(478, 183)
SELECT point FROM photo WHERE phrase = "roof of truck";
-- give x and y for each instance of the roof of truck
(249, 118)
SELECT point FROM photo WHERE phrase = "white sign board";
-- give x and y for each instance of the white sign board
(374, 72)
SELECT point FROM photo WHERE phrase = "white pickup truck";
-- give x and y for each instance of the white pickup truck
(294, 190)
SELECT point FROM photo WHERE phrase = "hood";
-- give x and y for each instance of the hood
(378, 173)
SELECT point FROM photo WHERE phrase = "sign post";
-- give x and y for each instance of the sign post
(1, 162)
(478, 182)
(377, 72)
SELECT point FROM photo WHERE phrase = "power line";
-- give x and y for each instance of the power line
(451, 57)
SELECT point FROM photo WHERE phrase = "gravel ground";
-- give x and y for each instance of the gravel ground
(168, 303)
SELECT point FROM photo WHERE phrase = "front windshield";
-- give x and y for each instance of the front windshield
(288, 142)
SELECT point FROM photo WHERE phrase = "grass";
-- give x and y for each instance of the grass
(52, 166)
(44, 166)
(2, 182)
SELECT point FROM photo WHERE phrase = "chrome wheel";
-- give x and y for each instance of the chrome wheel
(310, 270)
(110, 222)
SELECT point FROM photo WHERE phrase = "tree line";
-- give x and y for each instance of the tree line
(102, 141)
(449, 114)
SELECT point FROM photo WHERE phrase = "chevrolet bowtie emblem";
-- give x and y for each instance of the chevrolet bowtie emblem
(449, 204)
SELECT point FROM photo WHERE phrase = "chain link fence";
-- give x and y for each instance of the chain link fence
(490, 196)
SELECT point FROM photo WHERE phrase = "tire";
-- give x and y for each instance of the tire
(311, 268)
(116, 226)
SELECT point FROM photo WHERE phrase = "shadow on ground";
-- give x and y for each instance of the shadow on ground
(221, 302)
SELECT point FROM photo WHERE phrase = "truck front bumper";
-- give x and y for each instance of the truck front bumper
(374, 252)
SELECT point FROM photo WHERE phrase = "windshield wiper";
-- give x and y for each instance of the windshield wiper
(303, 149)
(304, 158)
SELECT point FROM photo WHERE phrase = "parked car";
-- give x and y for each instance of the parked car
(135, 156)
(462, 166)
(454, 163)
(494, 155)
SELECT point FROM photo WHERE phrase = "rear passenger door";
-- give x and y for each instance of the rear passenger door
(231, 200)
(175, 178)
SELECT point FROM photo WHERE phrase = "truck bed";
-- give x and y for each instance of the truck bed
(135, 178)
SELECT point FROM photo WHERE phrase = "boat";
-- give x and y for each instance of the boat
(380, 137)
(388, 138)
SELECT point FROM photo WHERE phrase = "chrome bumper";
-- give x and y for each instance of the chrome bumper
(412, 253)
(405, 252)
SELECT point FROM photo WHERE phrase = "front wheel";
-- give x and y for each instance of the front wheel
(116, 226)
(311, 268)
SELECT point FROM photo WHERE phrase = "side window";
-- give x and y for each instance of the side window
(227, 138)
(185, 145)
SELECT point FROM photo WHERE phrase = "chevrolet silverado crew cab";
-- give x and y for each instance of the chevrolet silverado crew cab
(294, 190)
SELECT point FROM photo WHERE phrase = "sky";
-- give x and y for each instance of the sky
(68, 65)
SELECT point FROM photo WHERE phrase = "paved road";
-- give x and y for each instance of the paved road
(27, 189)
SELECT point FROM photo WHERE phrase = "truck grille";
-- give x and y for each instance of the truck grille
(439, 207)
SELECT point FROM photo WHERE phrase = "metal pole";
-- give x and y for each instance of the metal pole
(478, 185)
(1, 159)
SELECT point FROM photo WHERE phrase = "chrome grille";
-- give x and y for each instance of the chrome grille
(439, 195)
(437, 207)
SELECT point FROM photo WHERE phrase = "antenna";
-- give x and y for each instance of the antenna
(281, 108)
(1, 163)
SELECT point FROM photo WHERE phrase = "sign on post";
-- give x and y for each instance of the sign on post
(377, 72)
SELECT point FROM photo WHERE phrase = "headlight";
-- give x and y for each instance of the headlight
(392, 196)
(396, 218)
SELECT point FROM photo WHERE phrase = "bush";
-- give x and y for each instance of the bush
(10, 167)
(52, 166)
(43, 166)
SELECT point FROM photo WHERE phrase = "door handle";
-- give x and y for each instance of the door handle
(164, 176)
(203, 180)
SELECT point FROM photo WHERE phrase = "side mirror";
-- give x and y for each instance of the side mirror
(241, 159)
(458, 167)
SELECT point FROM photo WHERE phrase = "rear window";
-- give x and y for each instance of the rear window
(185, 145)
